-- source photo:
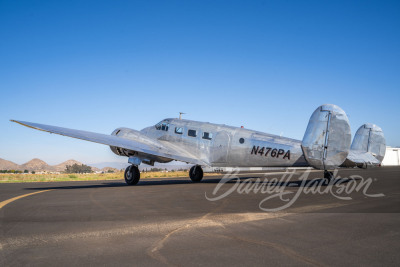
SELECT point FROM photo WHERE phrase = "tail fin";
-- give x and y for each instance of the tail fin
(369, 138)
(326, 142)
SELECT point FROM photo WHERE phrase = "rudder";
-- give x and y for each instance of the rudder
(326, 142)
(369, 138)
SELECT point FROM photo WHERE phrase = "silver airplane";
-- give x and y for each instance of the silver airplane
(325, 145)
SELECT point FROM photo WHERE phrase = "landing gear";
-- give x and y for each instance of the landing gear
(196, 173)
(132, 175)
(328, 176)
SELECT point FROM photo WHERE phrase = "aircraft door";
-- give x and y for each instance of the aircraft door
(220, 148)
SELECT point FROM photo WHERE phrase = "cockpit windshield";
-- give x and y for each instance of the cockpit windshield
(163, 125)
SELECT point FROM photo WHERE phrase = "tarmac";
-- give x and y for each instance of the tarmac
(259, 219)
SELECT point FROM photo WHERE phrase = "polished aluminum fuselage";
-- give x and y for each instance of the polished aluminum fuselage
(325, 145)
(230, 146)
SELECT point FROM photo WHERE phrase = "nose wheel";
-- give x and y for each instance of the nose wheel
(132, 175)
(196, 174)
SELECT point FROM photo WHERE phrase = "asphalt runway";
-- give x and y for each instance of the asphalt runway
(171, 221)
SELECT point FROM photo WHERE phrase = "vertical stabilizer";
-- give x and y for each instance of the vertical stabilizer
(326, 142)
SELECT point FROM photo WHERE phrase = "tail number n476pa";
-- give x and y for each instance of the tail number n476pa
(270, 152)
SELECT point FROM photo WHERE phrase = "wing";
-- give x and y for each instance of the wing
(156, 149)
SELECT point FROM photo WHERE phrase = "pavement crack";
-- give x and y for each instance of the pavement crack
(213, 219)
(154, 251)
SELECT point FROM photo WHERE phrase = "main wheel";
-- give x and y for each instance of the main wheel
(196, 174)
(328, 176)
(132, 175)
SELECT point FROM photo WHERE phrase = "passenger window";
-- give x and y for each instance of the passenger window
(178, 130)
(192, 133)
(207, 135)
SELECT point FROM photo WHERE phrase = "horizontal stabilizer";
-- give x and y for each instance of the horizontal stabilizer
(368, 147)
(360, 159)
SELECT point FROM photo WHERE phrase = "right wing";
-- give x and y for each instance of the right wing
(156, 149)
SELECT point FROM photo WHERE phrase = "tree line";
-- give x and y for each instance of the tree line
(75, 168)
(14, 171)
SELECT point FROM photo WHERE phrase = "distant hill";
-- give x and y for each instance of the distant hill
(36, 165)
(8, 165)
(39, 165)
(116, 165)
(106, 169)
(62, 166)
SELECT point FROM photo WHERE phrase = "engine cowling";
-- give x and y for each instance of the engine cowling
(121, 132)
(137, 136)
(326, 142)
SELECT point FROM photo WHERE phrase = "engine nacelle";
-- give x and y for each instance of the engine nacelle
(125, 133)
(369, 138)
(136, 136)
(326, 142)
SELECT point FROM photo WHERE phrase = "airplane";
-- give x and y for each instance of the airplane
(325, 145)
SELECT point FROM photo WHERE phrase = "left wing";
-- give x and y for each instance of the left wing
(156, 149)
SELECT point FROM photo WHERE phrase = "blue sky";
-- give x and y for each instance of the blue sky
(99, 65)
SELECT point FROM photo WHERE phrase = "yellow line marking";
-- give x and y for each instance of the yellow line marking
(5, 202)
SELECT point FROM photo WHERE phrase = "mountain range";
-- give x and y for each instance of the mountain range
(39, 165)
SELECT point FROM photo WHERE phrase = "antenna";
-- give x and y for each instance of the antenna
(180, 115)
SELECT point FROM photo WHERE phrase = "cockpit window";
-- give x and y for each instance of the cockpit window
(163, 126)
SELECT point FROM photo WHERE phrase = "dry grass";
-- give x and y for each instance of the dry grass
(26, 178)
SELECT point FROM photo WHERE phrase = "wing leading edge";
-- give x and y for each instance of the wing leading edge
(111, 140)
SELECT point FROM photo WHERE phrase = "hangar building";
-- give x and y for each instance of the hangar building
(392, 156)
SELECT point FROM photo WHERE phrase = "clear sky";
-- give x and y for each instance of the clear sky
(267, 65)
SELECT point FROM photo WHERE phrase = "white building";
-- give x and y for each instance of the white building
(392, 156)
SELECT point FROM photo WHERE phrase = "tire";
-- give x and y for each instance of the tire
(132, 175)
(328, 176)
(196, 174)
